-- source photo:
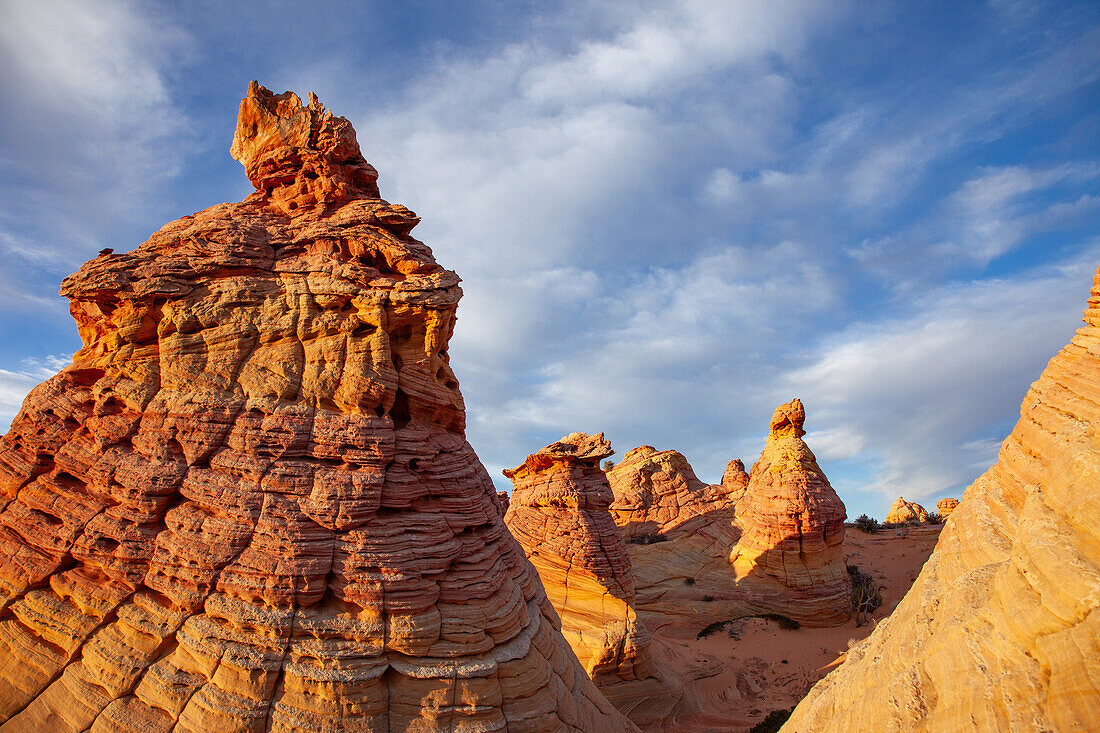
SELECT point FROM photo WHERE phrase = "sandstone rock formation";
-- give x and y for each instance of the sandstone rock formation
(657, 492)
(902, 512)
(944, 507)
(559, 516)
(249, 503)
(1001, 630)
(735, 481)
(793, 526)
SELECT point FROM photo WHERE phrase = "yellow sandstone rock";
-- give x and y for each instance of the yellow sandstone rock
(1001, 630)
(902, 511)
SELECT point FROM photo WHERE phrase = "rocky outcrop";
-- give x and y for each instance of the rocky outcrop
(503, 501)
(1008, 601)
(657, 492)
(735, 481)
(249, 503)
(906, 512)
(559, 514)
(792, 526)
(944, 507)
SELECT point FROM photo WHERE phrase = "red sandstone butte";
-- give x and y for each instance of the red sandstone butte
(249, 503)
(657, 492)
(559, 514)
(793, 527)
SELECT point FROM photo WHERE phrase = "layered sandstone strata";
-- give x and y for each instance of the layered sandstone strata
(249, 503)
(657, 492)
(792, 527)
(906, 512)
(559, 516)
(735, 481)
(944, 507)
(1009, 602)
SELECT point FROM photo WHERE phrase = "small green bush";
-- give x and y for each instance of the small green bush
(772, 722)
(867, 524)
(648, 539)
(865, 597)
(782, 621)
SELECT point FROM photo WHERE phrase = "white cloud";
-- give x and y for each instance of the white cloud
(90, 126)
(14, 385)
(921, 393)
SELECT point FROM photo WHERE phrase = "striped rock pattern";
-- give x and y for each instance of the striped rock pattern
(792, 526)
(1001, 630)
(249, 504)
(657, 491)
(559, 515)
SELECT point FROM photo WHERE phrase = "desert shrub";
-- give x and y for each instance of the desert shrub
(608, 465)
(867, 524)
(865, 597)
(689, 581)
(708, 599)
(648, 539)
(935, 518)
(782, 621)
(772, 722)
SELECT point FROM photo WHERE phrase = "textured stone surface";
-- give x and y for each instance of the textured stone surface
(902, 511)
(559, 514)
(1001, 630)
(656, 491)
(944, 507)
(249, 504)
(792, 526)
(735, 481)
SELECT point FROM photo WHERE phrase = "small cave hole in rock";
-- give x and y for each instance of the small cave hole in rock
(400, 410)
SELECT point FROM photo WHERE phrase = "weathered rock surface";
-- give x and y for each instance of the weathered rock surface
(249, 503)
(1001, 630)
(559, 514)
(735, 481)
(792, 526)
(657, 492)
(944, 507)
(902, 511)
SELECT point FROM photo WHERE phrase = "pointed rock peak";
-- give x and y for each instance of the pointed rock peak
(787, 420)
(573, 448)
(299, 155)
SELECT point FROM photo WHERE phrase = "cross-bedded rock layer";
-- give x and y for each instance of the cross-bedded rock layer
(657, 492)
(793, 527)
(249, 504)
(1001, 630)
(559, 514)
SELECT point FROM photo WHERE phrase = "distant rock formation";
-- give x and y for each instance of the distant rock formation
(944, 507)
(249, 503)
(902, 512)
(503, 502)
(1001, 630)
(793, 526)
(656, 492)
(559, 514)
(735, 481)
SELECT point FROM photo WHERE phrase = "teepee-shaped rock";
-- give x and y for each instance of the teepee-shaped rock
(249, 503)
(793, 526)
(657, 491)
(903, 512)
(559, 515)
(1001, 630)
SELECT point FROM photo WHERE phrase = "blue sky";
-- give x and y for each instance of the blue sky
(669, 216)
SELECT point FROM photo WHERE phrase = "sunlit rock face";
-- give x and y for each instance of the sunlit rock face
(656, 492)
(559, 514)
(945, 507)
(249, 503)
(792, 528)
(1001, 630)
(902, 512)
